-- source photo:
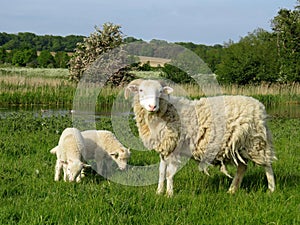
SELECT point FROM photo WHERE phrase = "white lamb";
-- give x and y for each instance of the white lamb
(101, 145)
(214, 130)
(69, 152)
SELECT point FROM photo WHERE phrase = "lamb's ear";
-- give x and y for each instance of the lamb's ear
(64, 162)
(167, 90)
(115, 154)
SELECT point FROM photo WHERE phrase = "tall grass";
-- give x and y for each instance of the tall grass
(29, 195)
(34, 72)
(51, 86)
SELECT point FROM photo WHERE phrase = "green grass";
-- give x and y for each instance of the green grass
(29, 195)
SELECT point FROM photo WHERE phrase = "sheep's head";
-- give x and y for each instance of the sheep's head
(149, 92)
(74, 169)
(121, 157)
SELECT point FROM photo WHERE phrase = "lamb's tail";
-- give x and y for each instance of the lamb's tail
(53, 150)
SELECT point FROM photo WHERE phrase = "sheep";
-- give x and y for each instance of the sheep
(69, 152)
(214, 130)
(102, 145)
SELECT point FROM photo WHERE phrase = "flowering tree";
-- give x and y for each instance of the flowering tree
(96, 44)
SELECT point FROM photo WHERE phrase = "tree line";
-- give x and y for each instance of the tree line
(31, 50)
(261, 56)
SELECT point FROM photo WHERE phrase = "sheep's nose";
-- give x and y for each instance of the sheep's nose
(152, 107)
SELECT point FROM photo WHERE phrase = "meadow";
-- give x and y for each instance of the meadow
(29, 194)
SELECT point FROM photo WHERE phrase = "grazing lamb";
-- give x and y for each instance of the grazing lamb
(214, 130)
(100, 143)
(69, 155)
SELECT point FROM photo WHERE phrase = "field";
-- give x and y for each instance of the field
(29, 194)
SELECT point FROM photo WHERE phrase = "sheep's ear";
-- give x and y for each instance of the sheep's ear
(167, 90)
(130, 88)
(54, 150)
(86, 165)
(64, 162)
(133, 86)
(116, 154)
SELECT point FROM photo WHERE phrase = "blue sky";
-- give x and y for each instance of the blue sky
(199, 21)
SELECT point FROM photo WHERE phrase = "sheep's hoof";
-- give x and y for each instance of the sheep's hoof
(159, 192)
(231, 191)
(169, 194)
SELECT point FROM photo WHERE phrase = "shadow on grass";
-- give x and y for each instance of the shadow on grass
(255, 180)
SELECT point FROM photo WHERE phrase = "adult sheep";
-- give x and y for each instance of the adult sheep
(101, 146)
(69, 152)
(214, 130)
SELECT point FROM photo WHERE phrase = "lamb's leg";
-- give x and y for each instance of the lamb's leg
(58, 167)
(237, 180)
(66, 175)
(270, 178)
(162, 175)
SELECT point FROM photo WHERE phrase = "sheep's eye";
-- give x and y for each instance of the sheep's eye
(141, 90)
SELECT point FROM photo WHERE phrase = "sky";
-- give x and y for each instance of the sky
(199, 21)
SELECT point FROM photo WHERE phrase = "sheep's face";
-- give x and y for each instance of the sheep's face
(149, 92)
(121, 157)
(74, 169)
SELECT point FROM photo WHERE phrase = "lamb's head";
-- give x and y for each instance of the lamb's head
(74, 168)
(149, 92)
(121, 156)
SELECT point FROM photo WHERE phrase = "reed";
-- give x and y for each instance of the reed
(270, 94)
(51, 86)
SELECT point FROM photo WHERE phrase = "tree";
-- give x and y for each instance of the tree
(3, 55)
(45, 59)
(286, 26)
(24, 57)
(252, 60)
(175, 74)
(96, 44)
(61, 59)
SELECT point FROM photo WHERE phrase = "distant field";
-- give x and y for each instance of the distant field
(154, 61)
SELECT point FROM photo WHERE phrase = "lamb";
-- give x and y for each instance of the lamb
(98, 145)
(214, 130)
(69, 152)
(102, 145)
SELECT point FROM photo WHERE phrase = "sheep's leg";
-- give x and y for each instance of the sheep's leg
(171, 171)
(270, 178)
(162, 175)
(78, 178)
(66, 175)
(237, 180)
(58, 167)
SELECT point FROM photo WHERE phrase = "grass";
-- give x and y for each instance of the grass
(29, 195)
(27, 86)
